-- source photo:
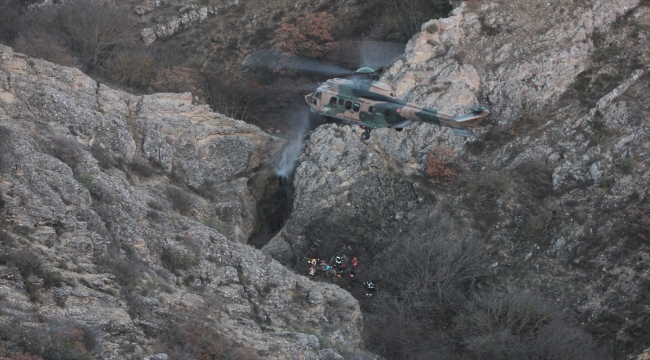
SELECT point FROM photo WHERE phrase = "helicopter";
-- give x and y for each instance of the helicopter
(372, 105)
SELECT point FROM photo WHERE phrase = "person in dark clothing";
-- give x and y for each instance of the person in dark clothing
(370, 288)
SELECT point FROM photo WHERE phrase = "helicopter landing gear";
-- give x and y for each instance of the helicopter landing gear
(366, 134)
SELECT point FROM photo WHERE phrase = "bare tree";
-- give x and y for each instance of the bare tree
(423, 281)
(433, 260)
(97, 31)
(403, 18)
(230, 95)
(10, 11)
(91, 32)
(309, 37)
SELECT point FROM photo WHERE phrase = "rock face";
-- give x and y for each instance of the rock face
(556, 183)
(121, 223)
(188, 15)
(511, 62)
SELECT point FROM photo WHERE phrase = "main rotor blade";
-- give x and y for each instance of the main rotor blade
(269, 59)
(379, 54)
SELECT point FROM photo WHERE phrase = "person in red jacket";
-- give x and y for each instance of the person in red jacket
(354, 266)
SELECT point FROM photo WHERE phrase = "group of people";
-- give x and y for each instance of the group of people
(340, 267)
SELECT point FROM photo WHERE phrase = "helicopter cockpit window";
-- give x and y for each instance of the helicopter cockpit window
(356, 106)
(341, 101)
(318, 94)
(371, 109)
(333, 100)
(348, 105)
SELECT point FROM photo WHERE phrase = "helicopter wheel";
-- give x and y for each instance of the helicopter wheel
(399, 129)
(365, 135)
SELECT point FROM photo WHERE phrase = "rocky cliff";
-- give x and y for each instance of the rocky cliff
(122, 219)
(555, 184)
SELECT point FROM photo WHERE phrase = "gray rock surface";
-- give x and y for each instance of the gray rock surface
(556, 183)
(111, 192)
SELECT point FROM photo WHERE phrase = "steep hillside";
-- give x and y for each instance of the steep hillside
(121, 223)
(550, 200)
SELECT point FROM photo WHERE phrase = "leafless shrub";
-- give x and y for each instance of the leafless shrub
(438, 168)
(402, 19)
(123, 263)
(138, 308)
(6, 156)
(91, 32)
(10, 13)
(180, 199)
(308, 37)
(230, 95)
(175, 260)
(103, 156)
(19, 355)
(178, 79)
(66, 149)
(430, 269)
(26, 261)
(520, 325)
(537, 177)
(423, 280)
(49, 338)
(345, 54)
(132, 66)
(46, 46)
(189, 335)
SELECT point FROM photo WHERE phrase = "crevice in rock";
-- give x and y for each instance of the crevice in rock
(273, 209)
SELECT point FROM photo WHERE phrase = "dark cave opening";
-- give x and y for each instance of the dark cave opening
(273, 210)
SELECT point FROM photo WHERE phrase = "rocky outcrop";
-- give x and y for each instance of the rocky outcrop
(121, 223)
(189, 14)
(556, 181)
(512, 62)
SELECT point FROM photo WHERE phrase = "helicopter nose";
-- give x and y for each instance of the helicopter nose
(311, 100)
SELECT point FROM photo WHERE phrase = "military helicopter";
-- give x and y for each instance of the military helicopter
(372, 105)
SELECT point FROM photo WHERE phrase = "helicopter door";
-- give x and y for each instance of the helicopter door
(350, 113)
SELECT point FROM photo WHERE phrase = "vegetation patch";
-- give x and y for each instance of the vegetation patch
(124, 263)
(191, 335)
(52, 338)
(181, 201)
(176, 260)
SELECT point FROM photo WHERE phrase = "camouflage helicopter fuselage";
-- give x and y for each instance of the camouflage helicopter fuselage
(372, 105)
